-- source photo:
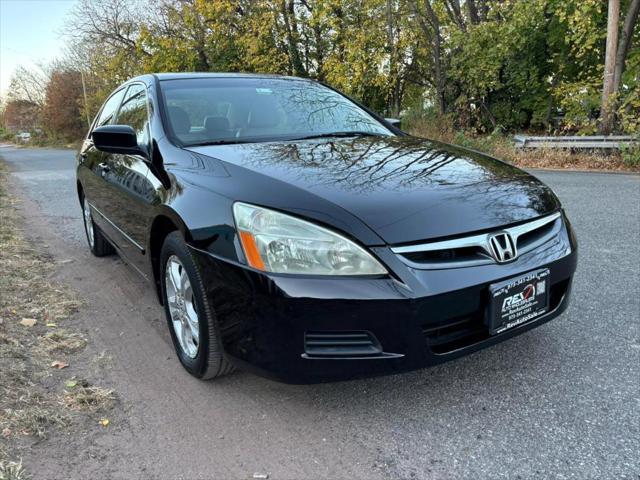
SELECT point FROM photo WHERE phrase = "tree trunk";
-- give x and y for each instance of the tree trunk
(437, 57)
(318, 36)
(291, 28)
(606, 107)
(453, 9)
(436, 40)
(473, 12)
(630, 21)
(340, 32)
(392, 96)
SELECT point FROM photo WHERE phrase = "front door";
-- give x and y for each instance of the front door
(128, 193)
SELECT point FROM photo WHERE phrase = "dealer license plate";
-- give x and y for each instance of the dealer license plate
(518, 300)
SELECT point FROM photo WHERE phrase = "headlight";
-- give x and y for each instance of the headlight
(275, 242)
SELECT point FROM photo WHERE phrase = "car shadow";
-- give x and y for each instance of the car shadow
(499, 372)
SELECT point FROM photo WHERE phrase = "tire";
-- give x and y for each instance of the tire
(98, 244)
(202, 357)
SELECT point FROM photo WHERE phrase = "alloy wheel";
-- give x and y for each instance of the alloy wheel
(182, 306)
(88, 222)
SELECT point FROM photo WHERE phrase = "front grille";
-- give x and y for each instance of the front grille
(475, 249)
(341, 344)
(535, 237)
(444, 257)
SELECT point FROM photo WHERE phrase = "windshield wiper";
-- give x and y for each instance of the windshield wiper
(220, 142)
(232, 141)
(340, 135)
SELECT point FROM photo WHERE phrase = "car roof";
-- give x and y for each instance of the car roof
(184, 75)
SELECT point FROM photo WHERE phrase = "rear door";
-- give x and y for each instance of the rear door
(127, 188)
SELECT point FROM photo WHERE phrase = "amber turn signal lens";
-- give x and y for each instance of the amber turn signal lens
(251, 250)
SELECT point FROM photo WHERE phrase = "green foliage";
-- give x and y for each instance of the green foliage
(513, 65)
(631, 156)
(628, 112)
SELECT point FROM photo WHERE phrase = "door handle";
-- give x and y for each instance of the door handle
(104, 167)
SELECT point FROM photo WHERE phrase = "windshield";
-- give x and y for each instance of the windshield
(228, 110)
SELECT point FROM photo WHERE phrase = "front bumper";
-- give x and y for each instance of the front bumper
(419, 318)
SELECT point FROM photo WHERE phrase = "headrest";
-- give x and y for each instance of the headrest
(216, 124)
(264, 113)
(179, 120)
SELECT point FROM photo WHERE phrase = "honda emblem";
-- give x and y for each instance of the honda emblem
(502, 246)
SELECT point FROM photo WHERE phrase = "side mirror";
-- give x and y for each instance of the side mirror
(395, 122)
(117, 139)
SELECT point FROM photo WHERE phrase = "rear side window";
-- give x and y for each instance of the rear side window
(133, 112)
(109, 108)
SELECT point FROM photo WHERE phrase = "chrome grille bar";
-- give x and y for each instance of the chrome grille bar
(481, 241)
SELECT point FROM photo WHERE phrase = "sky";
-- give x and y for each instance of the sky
(30, 33)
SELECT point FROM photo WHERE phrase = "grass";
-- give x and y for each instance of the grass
(32, 397)
(83, 397)
(26, 406)
(13, 471)
(62, 341)
(47, 142)
(501, 146)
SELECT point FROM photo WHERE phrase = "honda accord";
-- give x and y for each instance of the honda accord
(290, 231)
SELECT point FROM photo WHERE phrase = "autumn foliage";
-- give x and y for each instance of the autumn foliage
(478, 65)
(20, 115)
(61, 112)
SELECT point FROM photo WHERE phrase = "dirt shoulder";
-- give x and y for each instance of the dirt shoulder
(41, 394)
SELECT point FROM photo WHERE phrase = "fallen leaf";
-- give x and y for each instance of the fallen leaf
(261, 475)
(59, 364)
(28, 322)
(52, 325)
(6, 432)
(71, 383)
(104, 422)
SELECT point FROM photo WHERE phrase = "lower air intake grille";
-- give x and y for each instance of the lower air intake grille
(456, 333)
(341, 344)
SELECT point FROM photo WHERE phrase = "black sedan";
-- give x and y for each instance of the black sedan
(290, 231)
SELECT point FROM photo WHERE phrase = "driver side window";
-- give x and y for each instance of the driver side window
(133, 112)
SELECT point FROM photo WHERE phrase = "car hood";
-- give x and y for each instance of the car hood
(405, 189)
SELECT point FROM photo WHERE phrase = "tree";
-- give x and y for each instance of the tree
(287, 10)
(485, 64)
(430, 25)
(61, 113)
(615, 58)
(609, 66)
(21, 115)
(626, 38)
(28, 84)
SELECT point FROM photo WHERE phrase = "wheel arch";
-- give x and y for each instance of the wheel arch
(80, 190)
(166, 222)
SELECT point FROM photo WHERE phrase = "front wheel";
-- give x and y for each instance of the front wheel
(99, 245)
(192, 323)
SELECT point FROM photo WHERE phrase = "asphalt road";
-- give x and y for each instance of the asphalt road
(561, 401)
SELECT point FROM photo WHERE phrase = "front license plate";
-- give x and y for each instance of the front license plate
(518, 300)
